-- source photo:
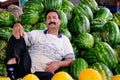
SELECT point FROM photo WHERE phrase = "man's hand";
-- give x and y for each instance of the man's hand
(55, 65)
(52, 66)
(18, 30)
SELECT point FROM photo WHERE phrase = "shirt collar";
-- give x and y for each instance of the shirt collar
(59, 34)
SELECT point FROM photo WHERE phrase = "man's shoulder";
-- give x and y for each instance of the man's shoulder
(64, 36)
(36, 31)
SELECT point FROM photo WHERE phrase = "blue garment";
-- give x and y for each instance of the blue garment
(22, 2)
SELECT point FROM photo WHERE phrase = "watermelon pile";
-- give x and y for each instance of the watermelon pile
(93, 31)
(6, 21)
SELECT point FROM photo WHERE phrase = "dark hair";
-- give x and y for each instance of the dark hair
(52, 10)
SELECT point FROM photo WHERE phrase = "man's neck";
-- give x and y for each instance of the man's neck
(53, 31)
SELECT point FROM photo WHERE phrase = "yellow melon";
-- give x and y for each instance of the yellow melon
(89, 74)
(62, 76)
(115, 77)
(30, 77)
(4, 78)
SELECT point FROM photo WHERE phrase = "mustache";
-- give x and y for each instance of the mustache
(52, 23)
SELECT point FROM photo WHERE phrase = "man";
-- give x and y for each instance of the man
(48, 49)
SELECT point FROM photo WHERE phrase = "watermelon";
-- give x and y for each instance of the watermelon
(68, 3)
(66, 69)
(105, 54)
(89, 56)
(76, 66)
(117, 51)
(64, 19)
(67, 8)
(97, 36)
(29, 18)
(2, 68)
(91, 3)
(53, 4)
(66, 33)
(97, 24)
(5, 33)
(3, 54)
(76, 50)
(84, 41)
(6, 19)
(83, 9)
(3, 44)
(39, 26)
(104, 13)
(42, 17)
(79, 24)
(104, 70)
(116, 70)
(41, 1)
(111, 33)
(116, 18)
(27, 27)
(68, 11)
(33, 6)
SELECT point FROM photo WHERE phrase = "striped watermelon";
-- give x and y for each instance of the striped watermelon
(33, 6)
(116, 18)
(84, 41)
(104, 13)
(90, 56)
(97, 36)
(91, 3)
(97, 24)
(64, 20)
(79, 24)
(117, 69)
(111, 33)
(54, 4)
(6, 19)
(105, 72)
(76, 66)
(83, 9)
(29, 18)
(105, 54)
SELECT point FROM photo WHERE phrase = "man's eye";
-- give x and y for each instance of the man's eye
(54, 17)
(48, 17)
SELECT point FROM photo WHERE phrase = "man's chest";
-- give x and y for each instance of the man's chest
(49, 44)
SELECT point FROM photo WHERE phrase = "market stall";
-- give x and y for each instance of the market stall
(93, 29)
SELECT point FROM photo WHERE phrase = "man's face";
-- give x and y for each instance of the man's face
(52, 20)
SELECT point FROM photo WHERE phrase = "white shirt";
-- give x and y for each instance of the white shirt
(44, 48)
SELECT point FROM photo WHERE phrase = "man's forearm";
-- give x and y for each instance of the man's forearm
(65, 63)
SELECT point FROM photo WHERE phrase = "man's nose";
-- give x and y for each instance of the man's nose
(51, 19)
